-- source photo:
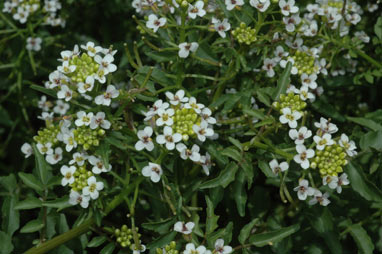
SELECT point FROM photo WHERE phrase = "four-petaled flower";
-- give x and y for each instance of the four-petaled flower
(300, 135)
(303, 189)
(276, 167)
(184, 228)
(154, 22)
(202, 131)
(153, 170)
(303, 156)
(185, 48)
(290, 117)
(169, 138)
(67, 172)
(145, 141)
(92, 188)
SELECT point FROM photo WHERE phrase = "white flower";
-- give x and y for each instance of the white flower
(153, 170)
(206, 116)
(303, 189)
(55, 79)
(184, 228)
(326, 126)
(348, 145)
(154, 23)
(106, 63)
(290, 117)
(202, 131)
(303, 156)
(83, 118)
(268, 66)
(177, 98)
(325, 140)
(105, 98)
(261, 5)
(98, 165)
(318, 197)
(92, 50)
(55, 157)
(220, 248)
(169, 138)
(190, 249)
(21, 15)
(78, 158)
(61, 107)
(205, 161)
(142, 248)
(165, 117)
(67, 55)
(68, 139)
(65, 93)
(291, 89)
(305, 94)
(283, 63)
(87, 86)
(46, 116)
(300, 135)
(92, 188)
(291, 21)
(221, 26)
(67, 172)
(196, 10)
(145, 141)
(159, 104)
(99, 120)
(185, 48)
(66, 68)
(309, 80)
(27, 150)
(193, 104)
(186, 153)
(230, 4)
(75, 198)
(280, 53)
(331, 181)
(276, 167)
(34, 43)
(287, 7)
(342, 180)
(101, 75)
(45, 148)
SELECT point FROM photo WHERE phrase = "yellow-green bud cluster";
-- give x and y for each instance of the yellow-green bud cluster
(184, 119)
(304, 62)
(87, 137)
(47, 134)
(330, 160)
(336, 4)
(81, 178)
(124, 236)
(290, 100)
(168, 249)
(85, 66)
(244, 34)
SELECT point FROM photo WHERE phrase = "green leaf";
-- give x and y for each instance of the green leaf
(362, 239)
(44, 90)
(368, 123)
(6, 246)
(31, 181)
(321, 221)
(8, 182)
(231, 102)
(246, 230)
(108, 249)
(239, 193)
(247, 166)
(361, 184)
(212, 219)
(267, 238)
(283, 82)
(160, 226)
(103, 151)
(41, 165)
(232, 153)
(32, 226)
(225, 177)
(159, 57)
(97, 241)
(225, 233)
(327, 110)
(161, 241)
(378, 28)
(236, 143)
(372, 139)
(254, 113)
(29, 203)
(59, 203)
(10, 216)
(264, 167)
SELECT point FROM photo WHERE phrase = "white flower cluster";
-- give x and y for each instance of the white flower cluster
(79, 72)
(21, 10)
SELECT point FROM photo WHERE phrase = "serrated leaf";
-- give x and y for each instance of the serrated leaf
(272, 237)
(246, 231)
(225, 177)
(29, 203)
(97, 241)
(32, 226)
(362, 239)
(31, 181)
(282, 82)
(212, 219)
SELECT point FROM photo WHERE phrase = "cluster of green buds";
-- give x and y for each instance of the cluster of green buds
(47, 135)
(304, 62)
(290, 100)
(168, 249)
(87, 137)
(81, 176)
(85, 66)
(184, 119)
(330, 160)
(336, 4)
(244, 34)
(124, 236)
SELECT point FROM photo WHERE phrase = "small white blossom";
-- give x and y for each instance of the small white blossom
(261, 5)
(34, 43)
(92, 50)
(87, 86)
(165, 117)
(177, 98)
(154, 22)
(159, 104)
(185, 49)
(61, 107)
(196, 10)
(206, 116)
(145, 141)
(221, 248)
(342, 180)
(269, 64)
(309, 80)
(202, 131)
(288, 7)
(67, 172)
(68, 139)
(205, 161)
(105, 98)
(99, 121)
(83, 119)
(291, 22)
(325, 140)
(326, 126)
(230, 4)
(191, 249)
(305, 94)
(76, 198)
(106, 63)
(45, 148)
(276, 167)
(290, 117)
(303, 189)
(55, 157)
(98, 165)
(303, 156)
(184, 228)
(78, 158)
(153, 170)
(66, 68)
(27, 150)
(194, 105)
(319, 198)
(280, 53)
(169, 138)
(46, 116)
(186, 153)
(65, 93)
(300, 135)
(221, 26)
(21, 15)
(348, 145)
(92, 188)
